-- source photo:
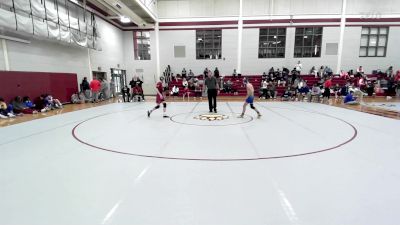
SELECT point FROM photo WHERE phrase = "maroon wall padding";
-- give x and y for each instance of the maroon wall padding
(33, 84)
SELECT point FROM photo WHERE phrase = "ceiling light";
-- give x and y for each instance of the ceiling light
(125, 19)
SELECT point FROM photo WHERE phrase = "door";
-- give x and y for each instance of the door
(119, 77)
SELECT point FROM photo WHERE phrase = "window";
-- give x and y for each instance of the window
(272, 43)
(373, 41)
(308, 42)
(141, 41)
(208, 44)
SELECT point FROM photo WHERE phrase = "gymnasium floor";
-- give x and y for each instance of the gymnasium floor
(300, 163)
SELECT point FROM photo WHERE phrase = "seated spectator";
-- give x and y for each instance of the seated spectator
(328, 71)
(205, 72)
(303, 91)
(19, 106)
(350, 99)
(287, 95)
(227, 86)
(53, 102)
(5, 111)
(197, 89)
(344, 90)
(336, 90)
(174, 91)
(264, 76)
(314, 72)
(344, 75)
(76, 98)
(271, 71)
(234, 74)
(315, 93)
(397, 88)
(370, 89)
(28, 103)
(125, 93)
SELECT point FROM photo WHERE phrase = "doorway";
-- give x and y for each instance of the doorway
(119, 78)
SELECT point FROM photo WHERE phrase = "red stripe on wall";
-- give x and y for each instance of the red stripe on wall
(196, 28)
(199, 23)
(33, 84)
(373, 20)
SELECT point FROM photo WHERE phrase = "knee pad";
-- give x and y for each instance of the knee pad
(252, 106)
(164, 105)
(158, 106)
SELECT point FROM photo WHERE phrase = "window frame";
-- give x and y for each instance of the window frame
(141, 51)
(378, 36)
(271, 34)
(306, 51)
(211, 37)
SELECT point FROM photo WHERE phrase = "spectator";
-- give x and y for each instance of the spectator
(85, 87)
(125, 93)
(271, 72)
(397, 86)
(52, 102)
(344, 75)
(345, 89)
(205, 72)
(175, 91)
(298, 67)
(105, 89)
(28, 103)
(234, 74)
(264, 76)
(389, 72)
(350, 99)
(183, 73)
(264, 89)
(5, 111)
(336, 90)
(95, 86)
(360, 71)
(19, 106)
(321, 71)
(315, 93)
(216, 72)
(197, 89)
(75, 98)
(272, 90)
(314, 72)
(328, 71)
(303, 91)
(186, 90)
(287, 95)
(327, 90)
(370, 89)
(190, 75)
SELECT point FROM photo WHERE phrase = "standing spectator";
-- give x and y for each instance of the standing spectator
(85, 88)
(105, 89)
(95, 86)
(125, 93)
(327, 90)
(212, 91)
(264, 89)
(389, 72)
(216, 72)
(205, 72)
(186, 90)
(298, 67)
(321, 71)
(183, 73)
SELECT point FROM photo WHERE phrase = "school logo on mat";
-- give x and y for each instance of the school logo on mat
(211, 117)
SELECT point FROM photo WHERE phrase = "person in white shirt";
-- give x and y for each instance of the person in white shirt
(298, 67)
(186, 90)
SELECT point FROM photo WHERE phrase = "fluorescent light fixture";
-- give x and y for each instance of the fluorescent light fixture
(125, 19)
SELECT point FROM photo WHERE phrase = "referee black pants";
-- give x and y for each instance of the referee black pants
(212, 99)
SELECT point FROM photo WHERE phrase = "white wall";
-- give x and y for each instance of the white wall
(50, 56)
(351, 48)
(148, 66)
(196, 8)
(251, 64)
(366, 7)
(168, 39)
(112, 52)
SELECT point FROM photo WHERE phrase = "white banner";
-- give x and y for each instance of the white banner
(65, 34)
(40, 28)
(82, 26)
(73, 23)
(7, 19)
(24, 24)
(63, 19)
(22, 5)
(51, 13)
(54, 30)
(90, 41)
(38, 9)
(6, 3)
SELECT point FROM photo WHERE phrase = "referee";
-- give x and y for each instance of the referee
(212, 91)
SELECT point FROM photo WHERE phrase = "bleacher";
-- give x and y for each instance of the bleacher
(237, 84)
